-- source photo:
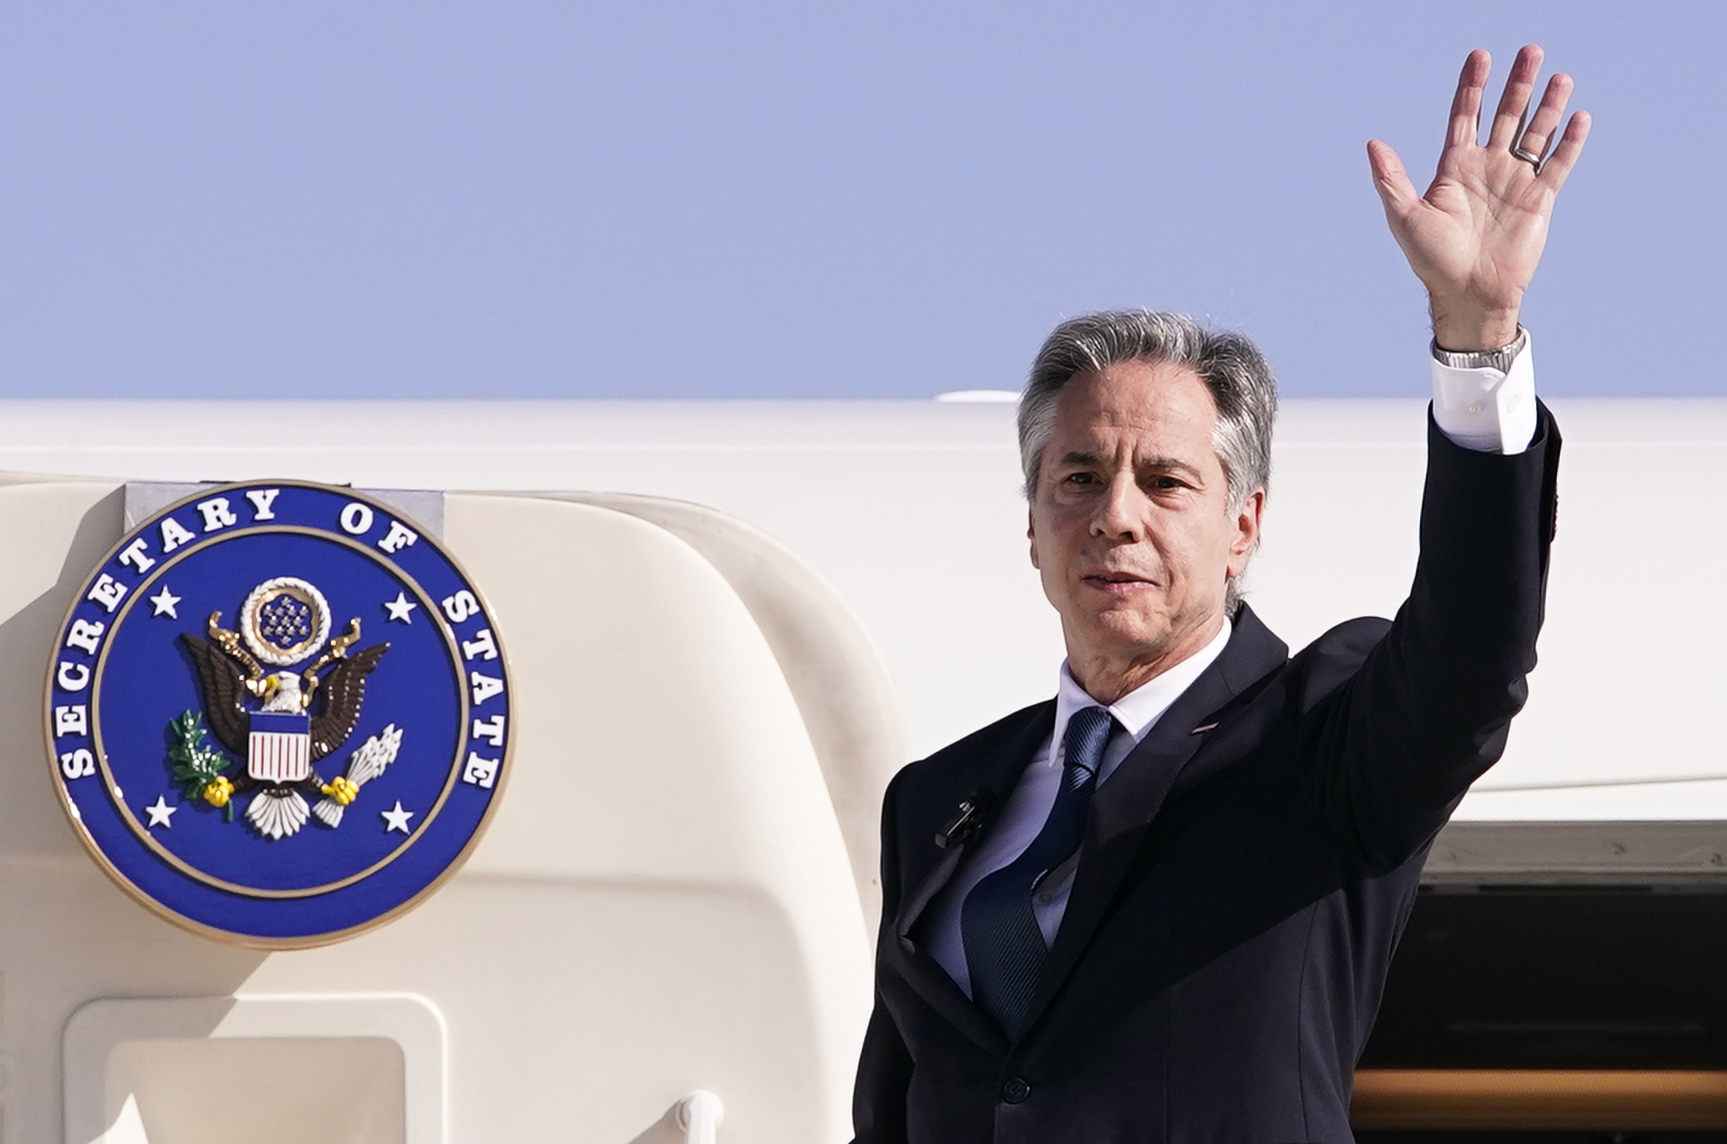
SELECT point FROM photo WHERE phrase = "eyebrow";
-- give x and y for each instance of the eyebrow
(1162, 464)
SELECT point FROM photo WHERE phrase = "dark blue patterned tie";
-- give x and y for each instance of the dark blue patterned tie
(1004, 949)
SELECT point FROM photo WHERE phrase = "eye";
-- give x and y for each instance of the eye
(1081, 478)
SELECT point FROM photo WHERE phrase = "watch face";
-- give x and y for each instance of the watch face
(278, 713)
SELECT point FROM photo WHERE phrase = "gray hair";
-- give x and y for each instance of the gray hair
(1231, 367)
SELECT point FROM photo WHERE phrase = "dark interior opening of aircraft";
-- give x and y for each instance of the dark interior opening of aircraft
(1553, 1013)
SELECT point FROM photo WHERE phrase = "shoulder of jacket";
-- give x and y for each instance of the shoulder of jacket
(1326, 663)
(1351, 637)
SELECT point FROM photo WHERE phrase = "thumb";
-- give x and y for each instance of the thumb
(1391, 180)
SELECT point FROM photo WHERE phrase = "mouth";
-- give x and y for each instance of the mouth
(1117, 582)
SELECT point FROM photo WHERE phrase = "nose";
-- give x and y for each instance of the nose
(1119, 516)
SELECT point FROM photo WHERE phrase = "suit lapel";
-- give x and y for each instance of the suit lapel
(994, 766)
(1125, 805)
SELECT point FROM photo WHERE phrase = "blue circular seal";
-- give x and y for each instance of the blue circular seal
(279, 713)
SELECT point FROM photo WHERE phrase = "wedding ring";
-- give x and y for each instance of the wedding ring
(1532, 159)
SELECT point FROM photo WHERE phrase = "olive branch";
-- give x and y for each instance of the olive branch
(198, 765)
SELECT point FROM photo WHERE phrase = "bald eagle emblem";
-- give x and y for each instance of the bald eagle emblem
(281, 721)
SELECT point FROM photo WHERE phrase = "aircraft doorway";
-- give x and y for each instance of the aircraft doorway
(1557, 984)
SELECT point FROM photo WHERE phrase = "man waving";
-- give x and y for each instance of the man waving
(1161, 905)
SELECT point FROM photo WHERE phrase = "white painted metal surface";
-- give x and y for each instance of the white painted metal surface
(165, 1070)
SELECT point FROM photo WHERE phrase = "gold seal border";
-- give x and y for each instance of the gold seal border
(204, 929)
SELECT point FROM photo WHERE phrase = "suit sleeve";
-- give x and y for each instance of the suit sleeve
(1429, 708)
(885, 1066)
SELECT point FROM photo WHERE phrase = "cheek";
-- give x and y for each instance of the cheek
(1194, 548)
(1055, 536)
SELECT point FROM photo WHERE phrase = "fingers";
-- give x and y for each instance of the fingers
(1391, 180)
(1558, 166)
(1539, 133)
(1508, 118)
(1465, 122)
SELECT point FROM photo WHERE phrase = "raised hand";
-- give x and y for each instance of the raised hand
(1475, 238)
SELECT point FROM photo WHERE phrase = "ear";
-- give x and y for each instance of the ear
(1247, 522)
(1031, 535)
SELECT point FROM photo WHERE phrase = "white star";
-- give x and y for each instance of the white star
(400, 607)
(397, 819)
(165, 601)
(161, 814)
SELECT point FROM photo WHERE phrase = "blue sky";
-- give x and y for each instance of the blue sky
(657, 199)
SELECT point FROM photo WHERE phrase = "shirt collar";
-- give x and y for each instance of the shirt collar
(1139, 710)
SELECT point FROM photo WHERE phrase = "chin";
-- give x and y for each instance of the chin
(1135, 636)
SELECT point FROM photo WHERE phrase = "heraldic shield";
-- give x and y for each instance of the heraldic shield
(279, 748)
(307, 768)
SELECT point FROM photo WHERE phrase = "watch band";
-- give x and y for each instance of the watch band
(1499, 359)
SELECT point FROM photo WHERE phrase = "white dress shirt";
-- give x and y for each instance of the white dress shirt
(1487, 410)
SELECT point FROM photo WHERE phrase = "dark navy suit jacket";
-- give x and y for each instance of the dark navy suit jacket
(1246, 872)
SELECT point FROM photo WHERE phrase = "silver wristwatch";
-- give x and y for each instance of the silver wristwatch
(1499, 359)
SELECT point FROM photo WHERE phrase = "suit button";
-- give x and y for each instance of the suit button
(1015, 1090)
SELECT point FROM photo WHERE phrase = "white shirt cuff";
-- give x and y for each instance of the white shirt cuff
(1485, 409)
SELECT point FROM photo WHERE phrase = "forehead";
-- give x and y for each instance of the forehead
(1154, 405)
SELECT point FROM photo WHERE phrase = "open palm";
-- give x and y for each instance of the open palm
(1475, 238)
